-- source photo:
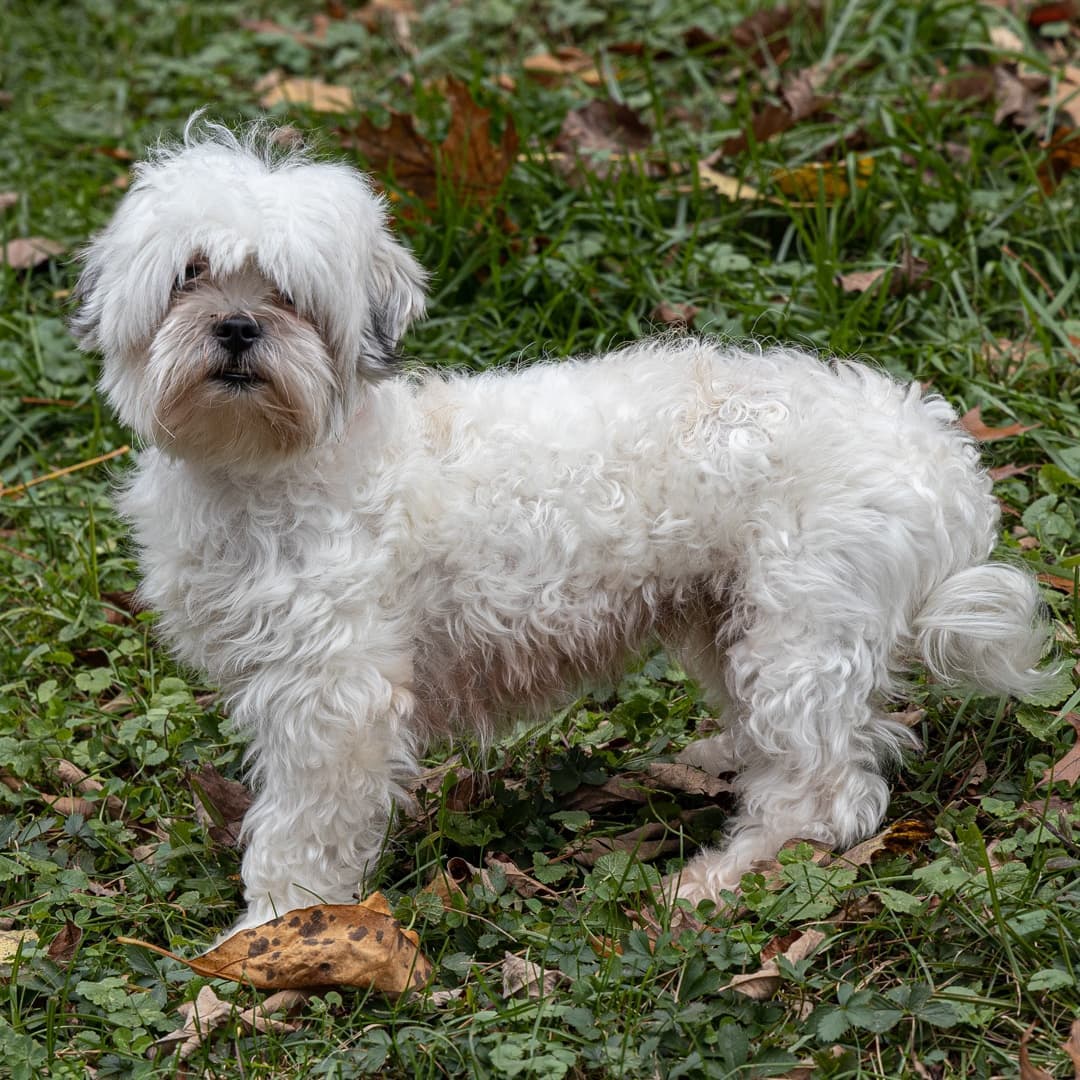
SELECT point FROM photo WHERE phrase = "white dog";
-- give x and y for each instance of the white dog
(366, 563)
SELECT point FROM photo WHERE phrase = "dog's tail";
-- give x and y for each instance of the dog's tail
(983, 627)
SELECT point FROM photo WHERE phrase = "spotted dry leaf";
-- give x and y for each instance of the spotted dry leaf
(519, 975)
(902, 836)
(323, 945)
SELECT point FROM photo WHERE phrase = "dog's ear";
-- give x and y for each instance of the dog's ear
(398, 291)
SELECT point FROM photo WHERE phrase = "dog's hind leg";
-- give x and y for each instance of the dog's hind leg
(808, 740)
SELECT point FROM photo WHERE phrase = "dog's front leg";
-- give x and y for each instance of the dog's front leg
(330, 752)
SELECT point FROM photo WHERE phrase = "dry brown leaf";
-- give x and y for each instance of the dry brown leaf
(28, 252)
(220, 804)
(1027, 1070)
(323, 945)
(972, 423)
(516, 878)
(1067, 769)
(566, 62)
(311, 93)
(908, 275)
(519, 974)
(1015, 100)
(677, 315)
(315, 36)
(673, 776)
(762, 984)
(1062, 584)
(375, 11)
(901, 837)
(649, 841)
(1062, 155)
(62, 947)
(474, 165)
(1071, 1046)
(8, 198)
(1005, 40)
(67, 804)
(1066, 95)
(600, 136)
(974, 85)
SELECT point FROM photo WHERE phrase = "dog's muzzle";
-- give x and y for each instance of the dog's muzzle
(236, 334)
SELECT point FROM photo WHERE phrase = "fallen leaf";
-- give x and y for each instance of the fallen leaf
(762, 984)
(63, 945)
(678, 315)
(909, 274)
(516, 878)
(322, 945)
(28, 252)
(972, 423)
(11, 941)
(1071, 1046)
(302, 37)
(728, 186)
(1062, 584)
(1066, 94)
(1027, 1070)
(1056, 11)
(1067, 769)
(1005, 40)
(566, 62)
(8, 198)
(649, 841)
(473, 164)
(1015, 101)
(311, 93)
(974, 85)
(901, 837)
(1062, 155)
(673, 776)
(1004, 472)
(519, 974)
(220, 804)
(604, 133)
(827, 178)
(68, 773)
(375, 11)
(68, 805)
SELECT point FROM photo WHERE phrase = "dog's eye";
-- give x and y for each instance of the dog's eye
(192, 272)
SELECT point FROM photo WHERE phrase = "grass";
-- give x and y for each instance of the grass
(940, 953)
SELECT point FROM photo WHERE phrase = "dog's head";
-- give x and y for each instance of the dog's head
(242, 295)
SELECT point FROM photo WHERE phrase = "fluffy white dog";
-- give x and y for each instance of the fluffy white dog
(365, 563)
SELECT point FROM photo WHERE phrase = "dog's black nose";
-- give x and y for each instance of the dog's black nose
(237, 333)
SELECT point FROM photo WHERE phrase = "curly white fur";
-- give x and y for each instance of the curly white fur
(365, 564)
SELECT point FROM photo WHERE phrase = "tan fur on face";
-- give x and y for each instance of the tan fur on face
(198, 415)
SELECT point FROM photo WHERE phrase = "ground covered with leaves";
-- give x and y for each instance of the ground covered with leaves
(891, 180)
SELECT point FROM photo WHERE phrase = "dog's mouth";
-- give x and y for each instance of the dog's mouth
(236, 379)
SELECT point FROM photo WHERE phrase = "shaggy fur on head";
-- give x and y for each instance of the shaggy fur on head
(365, 563)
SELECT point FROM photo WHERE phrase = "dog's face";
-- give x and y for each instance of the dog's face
(242, 296)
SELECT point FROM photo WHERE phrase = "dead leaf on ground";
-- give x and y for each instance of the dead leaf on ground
(322, 945)
(11, 941)
(677, 315)
(276, 88)
(203, 1016)
(315, 36)
(468, 158)
(29, 252)
(516, 878)
(1028, 1071)
(1066, 94)
(762, 984)
(830, 179)
(1016, 102)
(8, 198)
(1067, 769)
(973, 85)
(220, 804)
(647, 842)
(63, 945)
(1071, 1046)
(519, 974)
(906, 276)
(600, 136)
(726, 185)
(972, 423)
(564, 63)
(677, 777)
(899, 838)
(1062, 155)
(1062, 584)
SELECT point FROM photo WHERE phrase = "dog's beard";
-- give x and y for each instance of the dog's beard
(280, 396)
